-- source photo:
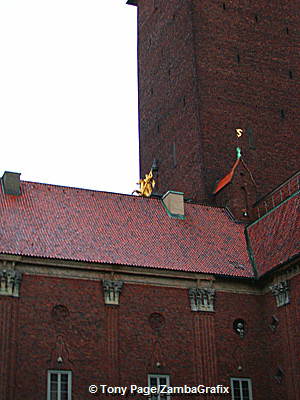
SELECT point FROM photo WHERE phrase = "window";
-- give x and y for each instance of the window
(241, 389)
(161, 382)
(59, 385)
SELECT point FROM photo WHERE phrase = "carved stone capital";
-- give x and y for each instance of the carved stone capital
(281, 292)
(112, 290)
(202, 299)
(10, 282)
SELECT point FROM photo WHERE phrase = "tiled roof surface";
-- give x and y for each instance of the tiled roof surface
(75, 224)
(275, 238)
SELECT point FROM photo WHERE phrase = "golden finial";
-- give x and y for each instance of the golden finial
(239, 132)
(146, 185)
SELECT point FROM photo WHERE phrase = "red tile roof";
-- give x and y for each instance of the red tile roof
(75, 224)
(275, 238)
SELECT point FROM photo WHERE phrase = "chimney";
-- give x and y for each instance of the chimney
(174, 204)
(11, 183)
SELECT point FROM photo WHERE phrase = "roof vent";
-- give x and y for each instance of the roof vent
(174, 204)
(11, 183)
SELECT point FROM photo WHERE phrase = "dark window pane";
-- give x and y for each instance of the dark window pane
(64, 396)
(236, 391)
(245, 390)
(54, 378)
(236, 385)
(236, 394)
(162, 381)
(153, 382)
(53, 396)
(64, 386)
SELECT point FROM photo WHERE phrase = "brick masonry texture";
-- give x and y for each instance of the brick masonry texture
(86, 336)
(206, 68)
(282, 346)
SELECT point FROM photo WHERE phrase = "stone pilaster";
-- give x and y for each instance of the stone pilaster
(205, 353)
(8, 334)
(112, 290)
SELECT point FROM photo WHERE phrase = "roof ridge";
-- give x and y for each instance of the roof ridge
(81, 189)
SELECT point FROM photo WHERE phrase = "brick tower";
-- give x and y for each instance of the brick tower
(205, 69)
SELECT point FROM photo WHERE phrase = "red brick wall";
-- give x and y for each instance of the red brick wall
(141, 346)
(121, 345)
(83, 334)
(8, 332)
(204, 71)
(283, 344)
(168, 97)
(250, 352)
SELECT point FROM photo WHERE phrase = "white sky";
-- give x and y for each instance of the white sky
(68, 92)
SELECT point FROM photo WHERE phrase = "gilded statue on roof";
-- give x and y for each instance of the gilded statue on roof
(146, 185)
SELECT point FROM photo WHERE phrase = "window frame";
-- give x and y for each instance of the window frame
(240, 380)
(157, 377)
(59, 373)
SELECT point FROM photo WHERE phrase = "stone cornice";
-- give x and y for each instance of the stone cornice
(143, 276)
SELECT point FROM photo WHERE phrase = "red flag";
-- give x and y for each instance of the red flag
(227, 178)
